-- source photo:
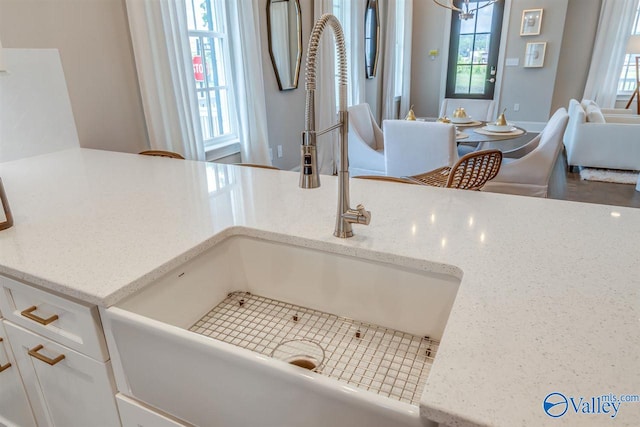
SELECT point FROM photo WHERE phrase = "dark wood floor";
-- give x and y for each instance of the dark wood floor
(565, 185)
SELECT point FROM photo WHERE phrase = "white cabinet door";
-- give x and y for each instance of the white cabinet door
(66, 388)
(135, 414)
(14, 405)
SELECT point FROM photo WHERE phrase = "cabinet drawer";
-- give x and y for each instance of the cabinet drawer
(135, 414)
(15, 409)
(66, 388)
(73, 324)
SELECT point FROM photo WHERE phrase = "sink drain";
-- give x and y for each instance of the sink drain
(304, 362)
(303, 353)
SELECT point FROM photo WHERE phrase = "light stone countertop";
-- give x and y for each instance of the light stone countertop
(549, 299)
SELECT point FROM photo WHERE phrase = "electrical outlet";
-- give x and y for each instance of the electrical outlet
(270, 153)
(279, 151)
(516, 107)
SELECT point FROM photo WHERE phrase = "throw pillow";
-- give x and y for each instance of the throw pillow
(594, 115)
(587, 102)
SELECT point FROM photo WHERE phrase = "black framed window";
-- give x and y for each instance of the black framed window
(473, 52)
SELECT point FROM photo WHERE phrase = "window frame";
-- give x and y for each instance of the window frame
(629, 65)
(226, 143)
(495, 43)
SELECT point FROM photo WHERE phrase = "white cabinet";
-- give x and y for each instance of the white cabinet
(73, 324)
(66, 388)
(60, 373)
(15, 409)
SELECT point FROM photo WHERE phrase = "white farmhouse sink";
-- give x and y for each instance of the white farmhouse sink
(361, 316)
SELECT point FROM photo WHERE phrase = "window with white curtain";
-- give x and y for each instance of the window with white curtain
(628, 78)
(206, 20)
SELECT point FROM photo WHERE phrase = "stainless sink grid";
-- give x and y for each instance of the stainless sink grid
(391, 363)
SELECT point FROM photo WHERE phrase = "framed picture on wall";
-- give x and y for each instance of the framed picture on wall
(531, 22)
(534, 55)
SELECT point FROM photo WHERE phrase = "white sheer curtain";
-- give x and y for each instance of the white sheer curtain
(165, 74)
(351, 16)
(326, 93)
(397, 58)
(244, 38)
(614, 29)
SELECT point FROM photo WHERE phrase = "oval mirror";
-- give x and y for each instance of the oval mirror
(371, 38)
(284, 28)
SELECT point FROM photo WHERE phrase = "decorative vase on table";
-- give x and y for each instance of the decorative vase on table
(410, 115)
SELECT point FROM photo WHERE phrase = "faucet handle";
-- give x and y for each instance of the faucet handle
(357, 216)
(364, 216)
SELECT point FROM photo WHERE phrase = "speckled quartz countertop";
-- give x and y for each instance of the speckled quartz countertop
(549, 299)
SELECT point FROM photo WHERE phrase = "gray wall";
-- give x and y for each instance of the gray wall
(285, 109)
(95, 47)
(568, 27)
(532, 88)
(426, 73)
(577, 44)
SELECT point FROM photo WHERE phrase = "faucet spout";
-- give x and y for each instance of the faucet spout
(309, 177)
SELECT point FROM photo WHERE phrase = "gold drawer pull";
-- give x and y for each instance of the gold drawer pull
(28, 313)
(34, 353)
(8, 365)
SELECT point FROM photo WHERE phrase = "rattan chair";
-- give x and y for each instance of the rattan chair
(161, 153)
(386, 178)
(471, 172)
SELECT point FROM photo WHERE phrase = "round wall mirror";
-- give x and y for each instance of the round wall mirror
(284, 27)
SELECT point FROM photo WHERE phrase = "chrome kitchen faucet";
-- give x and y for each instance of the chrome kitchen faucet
(309, 177)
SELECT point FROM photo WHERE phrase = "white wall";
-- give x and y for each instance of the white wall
(97, 58)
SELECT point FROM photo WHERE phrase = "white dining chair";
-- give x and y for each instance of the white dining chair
(366, 142)
(477, 109)
(529, 175)
(414, 147)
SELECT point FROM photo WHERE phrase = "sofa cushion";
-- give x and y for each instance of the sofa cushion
(587, 102)
(594, 115)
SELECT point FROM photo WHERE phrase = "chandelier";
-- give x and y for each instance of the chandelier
(464, 12)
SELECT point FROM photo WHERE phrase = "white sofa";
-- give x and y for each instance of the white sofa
(587, 102)
(594, 139)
